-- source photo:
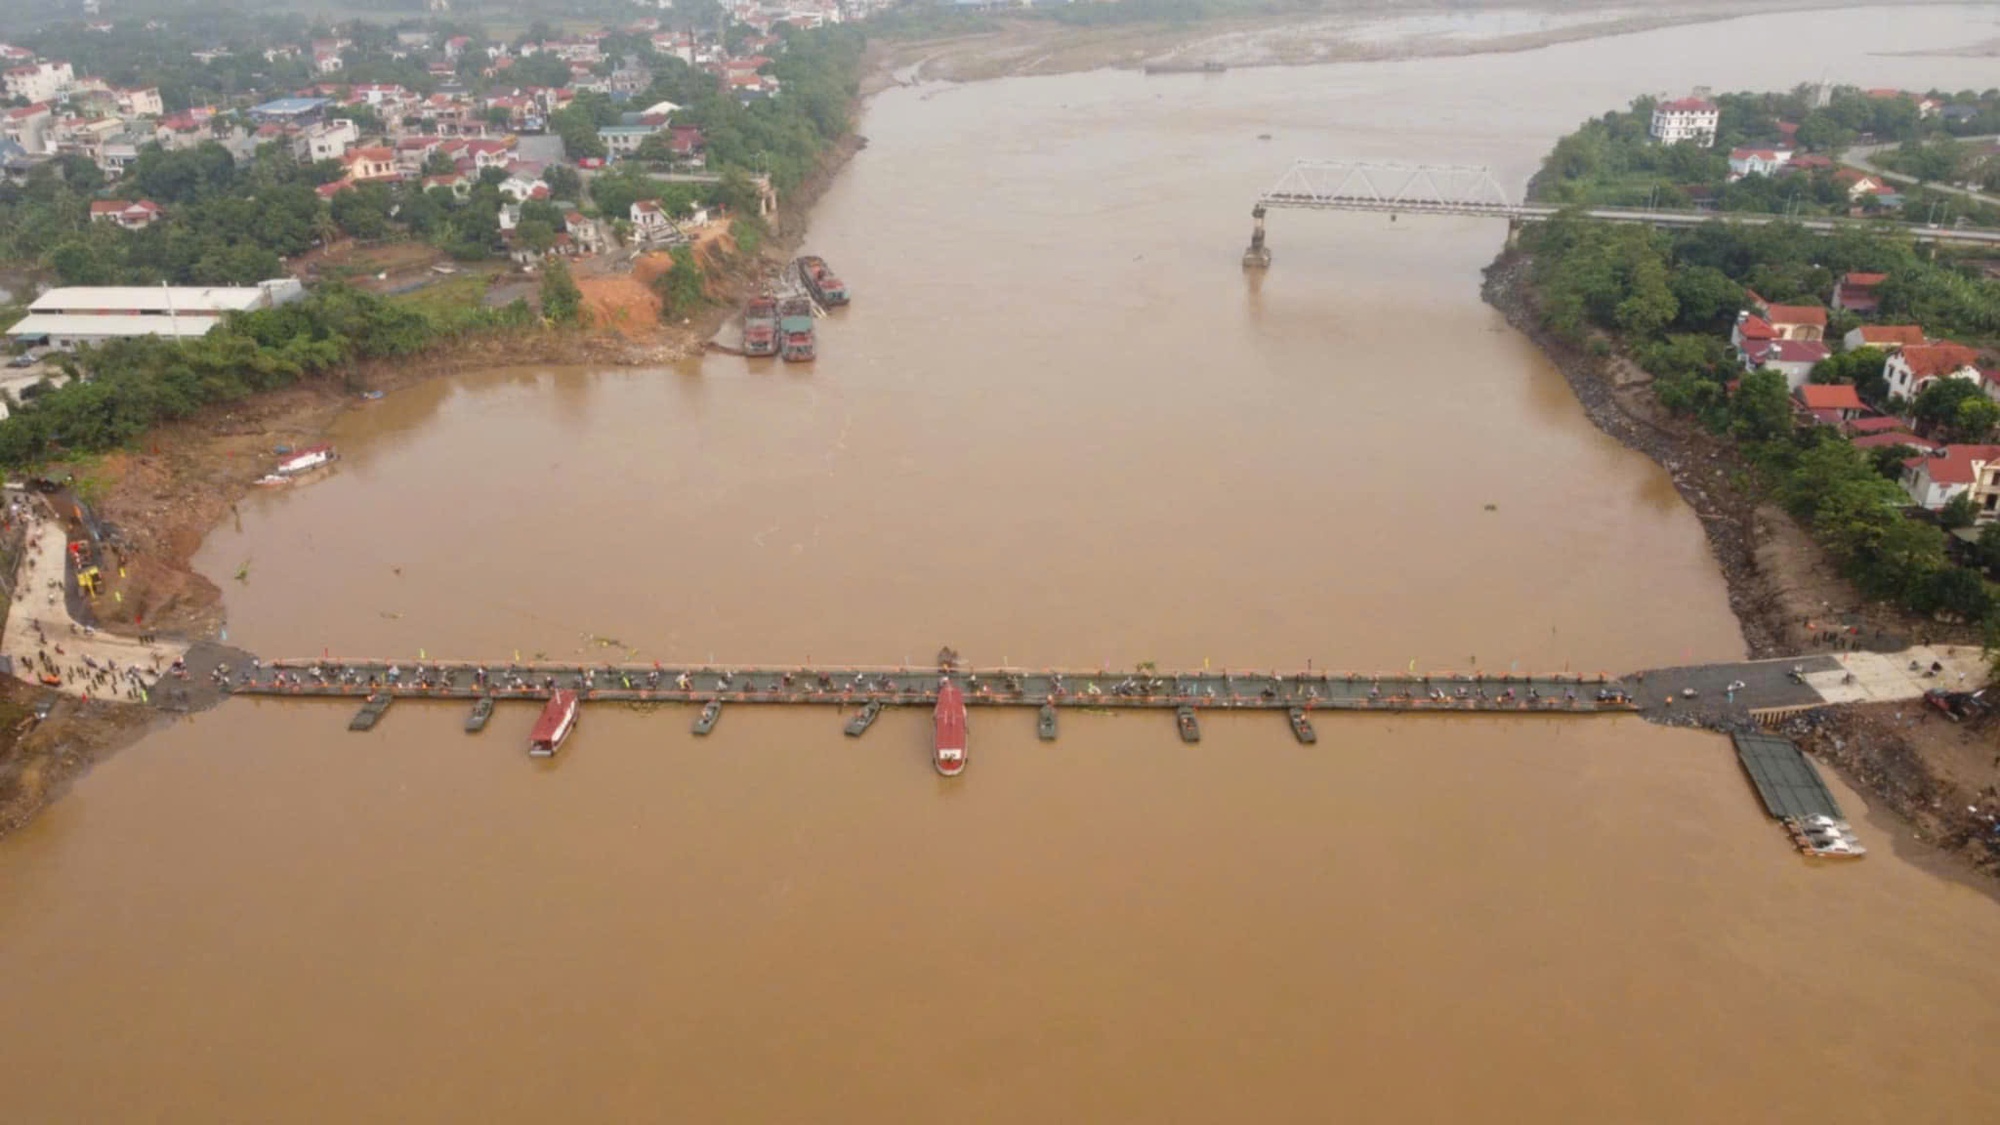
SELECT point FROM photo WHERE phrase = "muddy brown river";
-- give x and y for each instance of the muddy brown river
(1057, 426)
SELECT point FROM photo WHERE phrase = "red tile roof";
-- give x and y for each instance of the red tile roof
(1864, 280)
(1754, 327)
(1796, 314)
(1960, 463)
(1889, 438)
(1688, 105)
(1899, 335)
(1874, 425)
(1839, 396)
(1930, 360)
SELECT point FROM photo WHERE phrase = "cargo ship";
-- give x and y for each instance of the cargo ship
(826, 288)
(558, 719)
(948, 723)
(760, 326)
(795, 330)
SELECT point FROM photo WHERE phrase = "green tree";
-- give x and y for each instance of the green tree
(563, 182)
(1959, 511)
(1989, 545)
(1762, 406)
(562, 301)
(1937, 405)
(680, 286)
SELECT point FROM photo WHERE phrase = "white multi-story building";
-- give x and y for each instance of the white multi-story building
(39, 82)
(328, 140)
(1686, 119)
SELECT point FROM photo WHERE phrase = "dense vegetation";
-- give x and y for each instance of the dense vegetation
(1668, 300)
(127, 386)
(1611, 160)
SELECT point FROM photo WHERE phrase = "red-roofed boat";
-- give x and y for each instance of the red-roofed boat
(558, 719)
(948, 721)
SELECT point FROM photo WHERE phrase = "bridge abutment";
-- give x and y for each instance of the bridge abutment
(1258, 256)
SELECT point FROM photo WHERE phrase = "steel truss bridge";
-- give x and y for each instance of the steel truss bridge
(1449, 189)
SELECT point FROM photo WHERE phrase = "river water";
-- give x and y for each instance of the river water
(1058, 426)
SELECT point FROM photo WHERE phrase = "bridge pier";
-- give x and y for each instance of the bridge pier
(1258, 256)
(1513, 233)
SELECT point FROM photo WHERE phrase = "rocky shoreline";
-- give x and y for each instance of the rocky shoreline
(1699, 465)
(1904, 758)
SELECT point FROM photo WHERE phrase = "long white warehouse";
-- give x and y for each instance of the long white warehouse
(69, 318)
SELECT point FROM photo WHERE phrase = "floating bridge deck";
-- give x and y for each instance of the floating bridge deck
(1787, 781)
(837, 686)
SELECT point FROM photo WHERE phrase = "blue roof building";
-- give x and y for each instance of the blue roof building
(293, 110)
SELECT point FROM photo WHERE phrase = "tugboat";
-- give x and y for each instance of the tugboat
(558, 719)
(710, 712)
(826, 288)
(1184, 719)
(482, 710)
(760, 326)
(1302, 728)
(795, 330)
(859, 724)
(948, 723)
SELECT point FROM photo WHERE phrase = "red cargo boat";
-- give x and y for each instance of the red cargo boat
(948, 745)
(558, 719)
(760, 326)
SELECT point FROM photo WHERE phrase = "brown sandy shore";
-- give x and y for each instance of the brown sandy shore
(1019, 47)
(1937, 782)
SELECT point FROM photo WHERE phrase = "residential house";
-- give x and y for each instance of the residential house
(1686, 119)
(1887, 337)
(1856, 293)
(1757, 162)
(140, 102)
(28, 126)
(1915, 366)
(119, 152)
(132, 216)
(370, 165)
(522, 186)
(1933, 479)
(38, 82)
(1959, 114)
(1794, 359)
(1830, 404)
(622, 141)
(650, 222)
(1986, 492)
(328, 140)
(1790, 322)
(689, 146)
(459, 186)
(583, 231)
(1863, 188)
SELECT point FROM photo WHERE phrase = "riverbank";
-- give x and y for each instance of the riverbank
(1938, 779)
(1356, 31)
(160, 498)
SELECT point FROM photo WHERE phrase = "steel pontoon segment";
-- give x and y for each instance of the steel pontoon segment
(1785, 778)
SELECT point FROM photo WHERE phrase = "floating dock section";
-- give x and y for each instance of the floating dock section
(1787, 781)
